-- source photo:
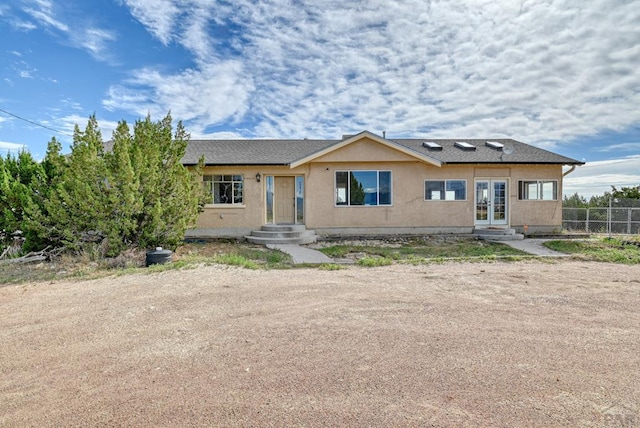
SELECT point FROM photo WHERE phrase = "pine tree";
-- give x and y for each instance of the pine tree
(170, 194)
(125, 198)
(37, 225)
(78, 206)
(19, 176)
(138, 194)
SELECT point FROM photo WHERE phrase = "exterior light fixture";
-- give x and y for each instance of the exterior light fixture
(258, 177)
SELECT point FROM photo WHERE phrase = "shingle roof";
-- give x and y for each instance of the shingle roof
(285, 152)
(513, 152)
(252, 152)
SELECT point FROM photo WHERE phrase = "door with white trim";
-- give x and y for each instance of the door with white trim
(491, 202)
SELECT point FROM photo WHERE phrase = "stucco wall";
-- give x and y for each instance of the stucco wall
(409, 211)
(235, 220)
(537, 216)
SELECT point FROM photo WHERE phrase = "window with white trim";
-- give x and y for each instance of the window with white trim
(368, 188)
(445, 190)
(225, 189)
(538, 190)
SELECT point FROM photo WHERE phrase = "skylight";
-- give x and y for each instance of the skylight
(464, 145)
(494, 145)
(431, 145)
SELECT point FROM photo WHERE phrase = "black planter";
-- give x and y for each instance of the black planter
(158, 257)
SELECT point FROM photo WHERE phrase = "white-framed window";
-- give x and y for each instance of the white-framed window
(225, 189)
(538, 190)
(369, 188)
(445, 190)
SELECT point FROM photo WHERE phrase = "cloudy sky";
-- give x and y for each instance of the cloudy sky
(561, 75)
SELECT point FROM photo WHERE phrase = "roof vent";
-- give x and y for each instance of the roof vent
(494, 145)
(431, 145)
(465, 146)
(347, 136)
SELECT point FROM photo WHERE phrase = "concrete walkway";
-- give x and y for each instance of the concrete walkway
(301, 254)
(306, 255)
(535, 247)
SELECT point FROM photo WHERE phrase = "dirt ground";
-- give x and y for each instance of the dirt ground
(458, 344)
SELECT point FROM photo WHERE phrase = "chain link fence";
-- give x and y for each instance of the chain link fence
(622, 216)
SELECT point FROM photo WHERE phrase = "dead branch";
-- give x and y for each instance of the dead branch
(34, 256)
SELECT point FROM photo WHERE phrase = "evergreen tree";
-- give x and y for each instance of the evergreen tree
(170, 194)
(19, 176)
(356, 191)
(574, 201)
(626, 192)
(138, 194)
(36, 223)
(78, 207)
(125, 198)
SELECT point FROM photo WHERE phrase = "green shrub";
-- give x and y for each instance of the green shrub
(374, 261)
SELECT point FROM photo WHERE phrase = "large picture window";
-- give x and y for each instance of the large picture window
(445, 190)
(363, 188)
(225, 189)
(538, 190)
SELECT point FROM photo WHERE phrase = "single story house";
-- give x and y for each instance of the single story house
(366, 184)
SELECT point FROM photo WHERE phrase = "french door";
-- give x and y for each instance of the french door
(491, 202)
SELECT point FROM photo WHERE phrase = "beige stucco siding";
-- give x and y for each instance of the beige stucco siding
(536, 215)
(409, 210)
(365, 150)
(251, 214)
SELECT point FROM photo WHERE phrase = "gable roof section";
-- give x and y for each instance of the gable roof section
(294, 153)
(425, 157)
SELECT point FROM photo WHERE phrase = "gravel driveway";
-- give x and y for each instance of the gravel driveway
(553, 343)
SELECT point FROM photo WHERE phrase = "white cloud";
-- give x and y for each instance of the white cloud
(23, 25)
(540, 72)
(11, 147)
(226, 135)
(67, 125)
(215, 93)
(157, 15)
(93, 40)
(622, 147)
(45, 16)
(595, 178)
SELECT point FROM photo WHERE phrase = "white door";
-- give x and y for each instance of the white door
(491, 202)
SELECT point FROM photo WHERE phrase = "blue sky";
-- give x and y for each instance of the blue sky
(561, 75)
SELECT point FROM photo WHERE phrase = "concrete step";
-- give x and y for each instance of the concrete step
(283, 227)
(276, 234)
(271, 234)
(498, 234)
(494, 231)
(271, 241)
(495, 237)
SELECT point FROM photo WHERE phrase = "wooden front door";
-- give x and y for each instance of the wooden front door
(285, 200)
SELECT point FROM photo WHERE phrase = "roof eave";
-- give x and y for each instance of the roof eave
(510, 162)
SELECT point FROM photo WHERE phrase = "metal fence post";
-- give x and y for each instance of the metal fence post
(586, 223)
(609, 217)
